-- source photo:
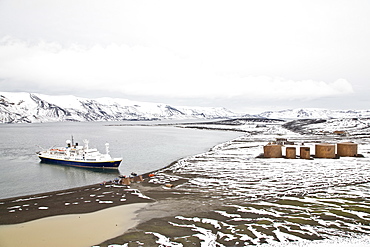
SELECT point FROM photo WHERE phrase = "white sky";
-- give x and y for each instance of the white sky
(244, 55)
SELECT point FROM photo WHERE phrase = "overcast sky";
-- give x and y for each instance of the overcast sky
(247, 56)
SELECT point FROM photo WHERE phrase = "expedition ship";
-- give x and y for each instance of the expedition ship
(79, 156)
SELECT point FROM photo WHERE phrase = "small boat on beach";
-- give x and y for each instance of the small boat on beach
(79, 156)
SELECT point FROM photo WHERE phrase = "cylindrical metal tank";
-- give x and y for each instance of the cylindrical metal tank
(325, 150)
(272, 151)
(347, 149)
(290, 152)
(304, 153)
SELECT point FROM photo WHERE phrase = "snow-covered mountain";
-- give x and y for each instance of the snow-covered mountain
(315, 113)
(36, 108)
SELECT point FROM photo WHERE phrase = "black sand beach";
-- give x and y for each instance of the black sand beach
(85, 199)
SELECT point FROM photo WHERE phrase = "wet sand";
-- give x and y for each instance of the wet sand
(74, 230)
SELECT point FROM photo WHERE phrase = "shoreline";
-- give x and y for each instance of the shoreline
(85, 199)
(16, 212)
(21, 218)
(79, 200)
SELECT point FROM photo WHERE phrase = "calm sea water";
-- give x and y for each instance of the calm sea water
(143, 148)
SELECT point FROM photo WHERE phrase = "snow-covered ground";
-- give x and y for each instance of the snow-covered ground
(274, 202)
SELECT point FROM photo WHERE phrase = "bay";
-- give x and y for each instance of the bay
(144, 147)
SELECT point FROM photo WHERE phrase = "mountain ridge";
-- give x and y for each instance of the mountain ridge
(37, 108)
(25, 107)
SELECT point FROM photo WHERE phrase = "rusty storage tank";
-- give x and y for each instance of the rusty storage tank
(325, 150)
(290, 152)
(304, 153)
(272, 151)
(347, 149)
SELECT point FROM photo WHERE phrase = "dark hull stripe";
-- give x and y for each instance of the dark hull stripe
(107, 164)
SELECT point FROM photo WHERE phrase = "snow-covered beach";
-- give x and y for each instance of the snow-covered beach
(232, 198)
